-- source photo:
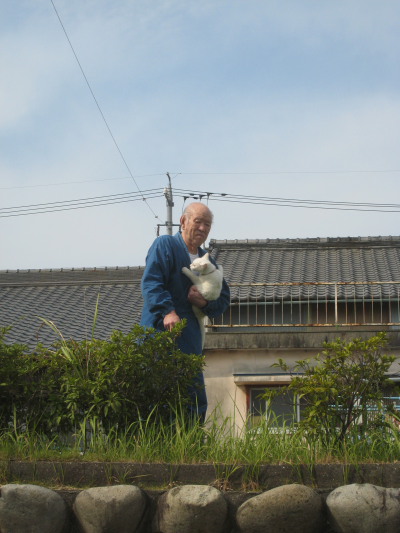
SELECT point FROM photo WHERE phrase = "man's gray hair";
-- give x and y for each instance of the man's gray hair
(188, 211)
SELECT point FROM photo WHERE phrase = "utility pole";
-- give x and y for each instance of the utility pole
(170, 205)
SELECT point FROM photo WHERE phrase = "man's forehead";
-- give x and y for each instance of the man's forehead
(202, 215)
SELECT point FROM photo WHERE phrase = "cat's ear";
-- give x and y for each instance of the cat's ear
(207, 256)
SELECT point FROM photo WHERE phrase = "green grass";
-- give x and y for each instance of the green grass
(218, 442)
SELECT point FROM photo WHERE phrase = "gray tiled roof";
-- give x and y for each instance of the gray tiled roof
(68, 298)
(343, 259)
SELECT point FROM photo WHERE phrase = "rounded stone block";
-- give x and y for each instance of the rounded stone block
(286, 509)
(31, 508)
(191, 509)
(364, 508)
(118, 509)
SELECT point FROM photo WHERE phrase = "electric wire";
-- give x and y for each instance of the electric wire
(289, 202)
(281, 204)
(176, 174)
(273, 172)
(206, 193)
(99, 108)
(99, 198)
(78, 182)
(71, 208)
(52, 207)
(197, 195)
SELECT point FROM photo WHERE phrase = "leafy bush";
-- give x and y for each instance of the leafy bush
(116, 381)
(12, 388)
(338, 386)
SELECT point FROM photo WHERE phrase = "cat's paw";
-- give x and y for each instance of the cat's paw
(185, 270)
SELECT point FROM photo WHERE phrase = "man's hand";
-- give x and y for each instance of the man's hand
(195, 298)
(171, 320)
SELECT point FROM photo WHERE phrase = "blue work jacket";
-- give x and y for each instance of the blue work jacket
(165, 288)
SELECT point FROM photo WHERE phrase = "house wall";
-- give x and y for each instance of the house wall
(229, 372)
(236, 361)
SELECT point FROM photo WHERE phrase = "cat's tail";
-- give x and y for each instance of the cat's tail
(200, 317)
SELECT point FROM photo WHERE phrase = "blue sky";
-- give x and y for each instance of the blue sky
(266, 98)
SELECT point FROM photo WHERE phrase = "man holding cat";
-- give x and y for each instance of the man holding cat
(169, 295)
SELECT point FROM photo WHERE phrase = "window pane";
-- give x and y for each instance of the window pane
(257, 403)
(283, 409)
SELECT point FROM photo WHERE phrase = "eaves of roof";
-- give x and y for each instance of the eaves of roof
(309, 242)
(73, 276)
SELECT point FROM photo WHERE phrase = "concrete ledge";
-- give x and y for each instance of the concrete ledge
(227, 477)
(296, 337)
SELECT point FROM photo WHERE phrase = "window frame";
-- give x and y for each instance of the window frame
(286, 419)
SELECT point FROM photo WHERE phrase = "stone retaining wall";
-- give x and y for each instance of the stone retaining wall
(294, 508)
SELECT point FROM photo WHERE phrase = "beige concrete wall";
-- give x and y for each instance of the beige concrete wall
(230, 354)
(226, 391)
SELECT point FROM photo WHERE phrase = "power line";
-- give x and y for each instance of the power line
(96, 201)
(105, 197)
(68, 208)
(278, 172)
(307, 206)
(99, 108)
(288, 202)
(261, 173)
(261, 198)
(52, 207)
(77, 182)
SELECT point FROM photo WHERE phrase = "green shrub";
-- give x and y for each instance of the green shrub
(339, 386)
(12, 389)
(116, 381)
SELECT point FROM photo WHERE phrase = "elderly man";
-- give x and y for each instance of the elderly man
(169, 295)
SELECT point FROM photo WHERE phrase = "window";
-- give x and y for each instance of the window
(389, 406)
(282, 411)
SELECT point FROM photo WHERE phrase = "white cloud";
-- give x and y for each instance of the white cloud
(195, 87)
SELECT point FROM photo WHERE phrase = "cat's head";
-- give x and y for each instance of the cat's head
(202, 265)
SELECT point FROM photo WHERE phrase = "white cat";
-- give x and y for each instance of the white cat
(208, 279)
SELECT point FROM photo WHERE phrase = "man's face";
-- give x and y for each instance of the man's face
(196, 227)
